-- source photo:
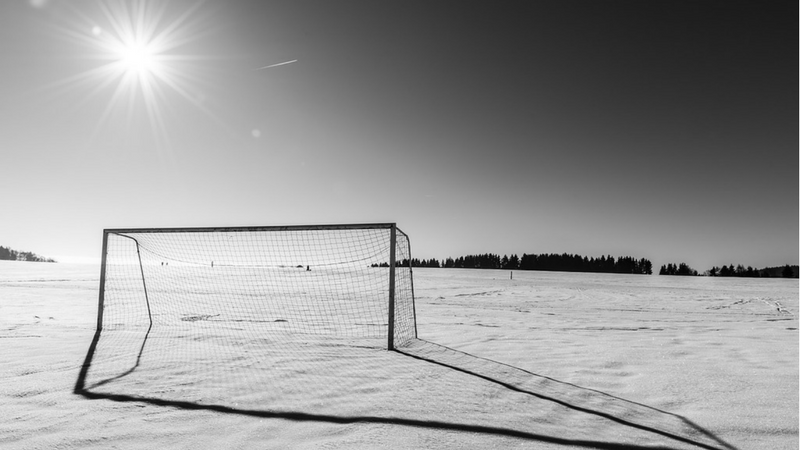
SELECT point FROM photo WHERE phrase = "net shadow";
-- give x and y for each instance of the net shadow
(346, 382)
(576, 398)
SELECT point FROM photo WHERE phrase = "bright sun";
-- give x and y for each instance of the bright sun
(138, 44)
(135, 45)
(138, 58)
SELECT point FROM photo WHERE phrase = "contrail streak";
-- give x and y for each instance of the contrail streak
(276, 65)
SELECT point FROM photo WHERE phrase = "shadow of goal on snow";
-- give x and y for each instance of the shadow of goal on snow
(422, 385)
(671, 428)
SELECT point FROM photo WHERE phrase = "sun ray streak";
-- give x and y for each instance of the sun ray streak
(154, 112)
(169, 38)
(177, 87)
(99, 79)
(120, 91)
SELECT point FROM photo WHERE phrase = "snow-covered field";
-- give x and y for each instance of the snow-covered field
(545, 360)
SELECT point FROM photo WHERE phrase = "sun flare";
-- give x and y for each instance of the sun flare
(142, 50)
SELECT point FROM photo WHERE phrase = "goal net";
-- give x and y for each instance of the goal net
(224, 297)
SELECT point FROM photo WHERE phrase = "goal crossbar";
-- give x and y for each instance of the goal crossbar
(359, 226)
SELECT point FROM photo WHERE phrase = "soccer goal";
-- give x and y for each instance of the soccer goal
(193, 293)
(332, 280)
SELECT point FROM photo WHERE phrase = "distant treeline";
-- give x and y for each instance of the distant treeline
(14, 255)
(605, 264)
(549, 262)
(739, 270)
(677, 269)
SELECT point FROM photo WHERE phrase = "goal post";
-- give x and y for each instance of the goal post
(324, 283)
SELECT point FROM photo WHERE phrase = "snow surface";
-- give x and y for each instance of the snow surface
(545, 360)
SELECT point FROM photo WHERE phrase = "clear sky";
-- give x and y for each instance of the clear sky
(661, 129)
